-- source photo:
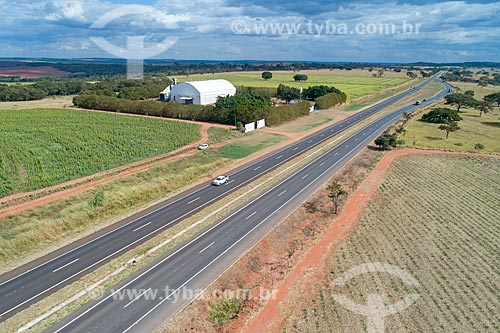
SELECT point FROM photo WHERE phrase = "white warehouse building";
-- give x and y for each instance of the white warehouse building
(198, 92)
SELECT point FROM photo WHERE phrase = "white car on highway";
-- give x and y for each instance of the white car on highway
(220, 180)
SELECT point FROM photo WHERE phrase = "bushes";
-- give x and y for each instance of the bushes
(138, 93)
(265, 91)
(149, 108)
(329, 100)
(223, 310)
(314, 92)
(388, 140)
(252, 107)
(278, 115)
(246, 109)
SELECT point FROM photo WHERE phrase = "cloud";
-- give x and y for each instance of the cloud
(450, 30)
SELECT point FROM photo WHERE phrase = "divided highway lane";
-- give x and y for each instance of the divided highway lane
(30, 283)
(145, 300)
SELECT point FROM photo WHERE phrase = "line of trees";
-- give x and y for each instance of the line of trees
(248, 107)
(467, 100)
(123, 88)
(324, 96)
(483, 77)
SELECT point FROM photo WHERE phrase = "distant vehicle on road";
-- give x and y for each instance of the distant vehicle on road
(220, 180)
(203, 146)
(417, 103)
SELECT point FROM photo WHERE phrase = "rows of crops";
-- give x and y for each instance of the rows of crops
(43, 147)
(436, 218)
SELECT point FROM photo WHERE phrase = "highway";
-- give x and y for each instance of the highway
(28, 284)
(145, 300)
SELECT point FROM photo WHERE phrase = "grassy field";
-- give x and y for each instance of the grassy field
(354, 83)
(217, 134)
(70, 218)
(48, 146)
(473, 128)
(248, 145)
(436, 217)
(304, 124)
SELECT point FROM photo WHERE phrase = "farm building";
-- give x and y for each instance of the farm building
(197, 92)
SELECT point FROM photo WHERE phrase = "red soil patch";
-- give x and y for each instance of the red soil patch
(312, 266)
(27, 72)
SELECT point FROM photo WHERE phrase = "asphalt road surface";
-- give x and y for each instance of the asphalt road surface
(30, 283)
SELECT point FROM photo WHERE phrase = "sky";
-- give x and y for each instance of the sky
(308, 30)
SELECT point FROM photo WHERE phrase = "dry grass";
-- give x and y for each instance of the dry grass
(435, 217)
(50, 102)
(473, 128)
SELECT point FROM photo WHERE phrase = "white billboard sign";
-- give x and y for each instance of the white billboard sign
(249, 127)
(261, 123)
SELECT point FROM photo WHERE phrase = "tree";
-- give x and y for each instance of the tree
(314, 92)
(460, 100)
(402, 131)
(288, 93)
(493, 98)
(240, 127)
(335, 191)
(388, 140)
(478, 146)
(441, 116)
(267, 75)
(482, 83)
(482, 107)
(300, 77)
(451, 126)
(411, 75)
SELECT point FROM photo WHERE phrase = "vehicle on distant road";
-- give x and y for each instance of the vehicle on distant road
(220, 180)
(203, 146)
(417, 103)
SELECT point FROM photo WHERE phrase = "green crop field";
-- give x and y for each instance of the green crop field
(43, 147)
(353, 83)
(435, 217)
